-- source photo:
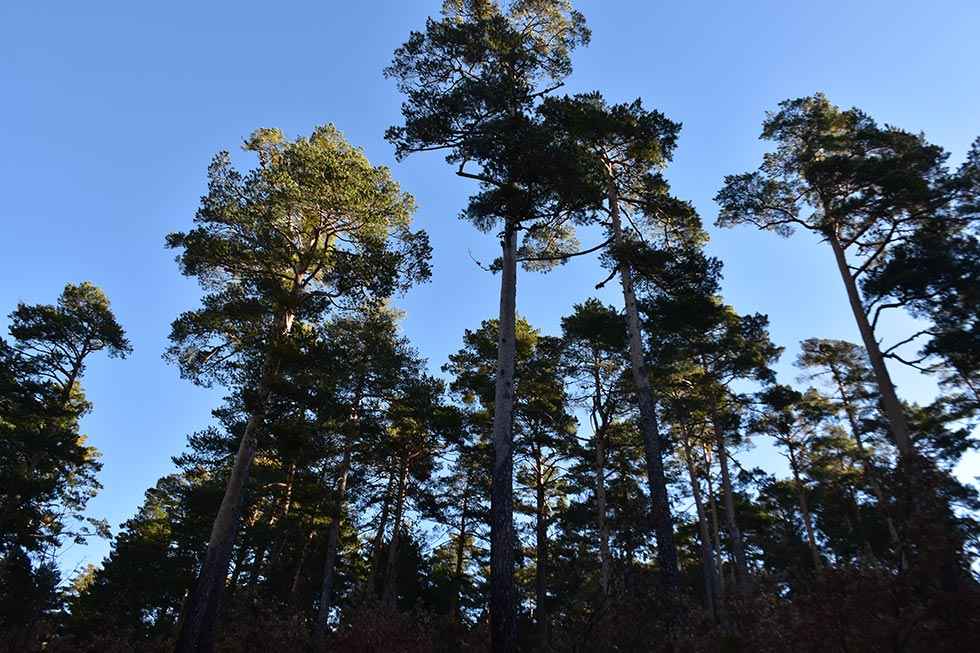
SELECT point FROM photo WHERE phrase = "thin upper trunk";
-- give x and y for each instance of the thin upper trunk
(660, 513)
(716, 533)
(889, 399)
(239, 565)
(707, 555)
(805, 509)
(197, 626)
(503, 604)
(389, 590)
(298, 575)
(867, 465)
(734, 534)
(70, 381)
(600, 507)
(599, 427)
(460, 559)
(284, 508)
(281, 510)
(541, 551)
(333, 538)
(371, 587)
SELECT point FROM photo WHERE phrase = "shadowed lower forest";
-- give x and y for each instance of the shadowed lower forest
(581, 490)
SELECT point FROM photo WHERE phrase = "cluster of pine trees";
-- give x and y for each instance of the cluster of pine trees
(575, 491)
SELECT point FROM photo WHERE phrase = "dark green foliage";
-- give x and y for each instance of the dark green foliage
(578, 491)
(47, 472)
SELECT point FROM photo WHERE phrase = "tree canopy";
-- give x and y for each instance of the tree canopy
(583, 484)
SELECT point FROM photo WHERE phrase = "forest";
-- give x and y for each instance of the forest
(579, 490)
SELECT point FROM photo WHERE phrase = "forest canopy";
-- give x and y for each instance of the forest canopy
(586, 488)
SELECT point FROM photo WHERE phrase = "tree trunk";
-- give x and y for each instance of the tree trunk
(867, 465)
(390, 584)
(716, 532)
(707, 555)
(197, 628)
(371, 585)
(371, 589)
(503, 606)
(460, 558)
(70, 382)
(294, 586)
(238, 566)
(333, 538)
(660, 513)
(805, 510)
(600, 501)
(734, 534)
(283, 513)
(281, 510)
(541, 551)
(892, 406)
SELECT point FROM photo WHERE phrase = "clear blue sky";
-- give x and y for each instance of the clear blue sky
(110, 112)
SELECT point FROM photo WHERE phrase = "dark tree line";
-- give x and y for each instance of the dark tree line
(582, 490)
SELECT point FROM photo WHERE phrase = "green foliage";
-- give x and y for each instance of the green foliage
(47, 472)
(361, 467)
(472, 81)
(314, 226)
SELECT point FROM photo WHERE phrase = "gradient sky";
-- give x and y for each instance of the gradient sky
(110, 112)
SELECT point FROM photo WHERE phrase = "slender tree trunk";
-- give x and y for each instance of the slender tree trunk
(280, 510)
(238, 566)
(716, 531)
(371, 588)
(600, 507)
(541, 551)
(734, 534)
(503, 605)
(707, 555)
(297, 577)
(70, 382)
(889, 399)
(868, 467)
(284, 508)
(460, 559)
(253, 574)
(805, 510)
(333, 538)
(389, 591)
(197, 628)
(660, 513)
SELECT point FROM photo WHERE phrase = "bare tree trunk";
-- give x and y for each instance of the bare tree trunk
(503, 605)
(660, 513)
(371, 588)
(707, 555)
(460, 559)
(600, 501)
(893, 407)
(333, 538)
(734, 534)
(294, 586)
(283, 513)
(390, 583)
(70, 382)
(867, 465)
(805, 510)
(281, 510)
(197, 627)
(541, 551)
(716, 531)
(238, 567)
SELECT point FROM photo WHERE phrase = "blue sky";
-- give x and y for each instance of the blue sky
(110, 112)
